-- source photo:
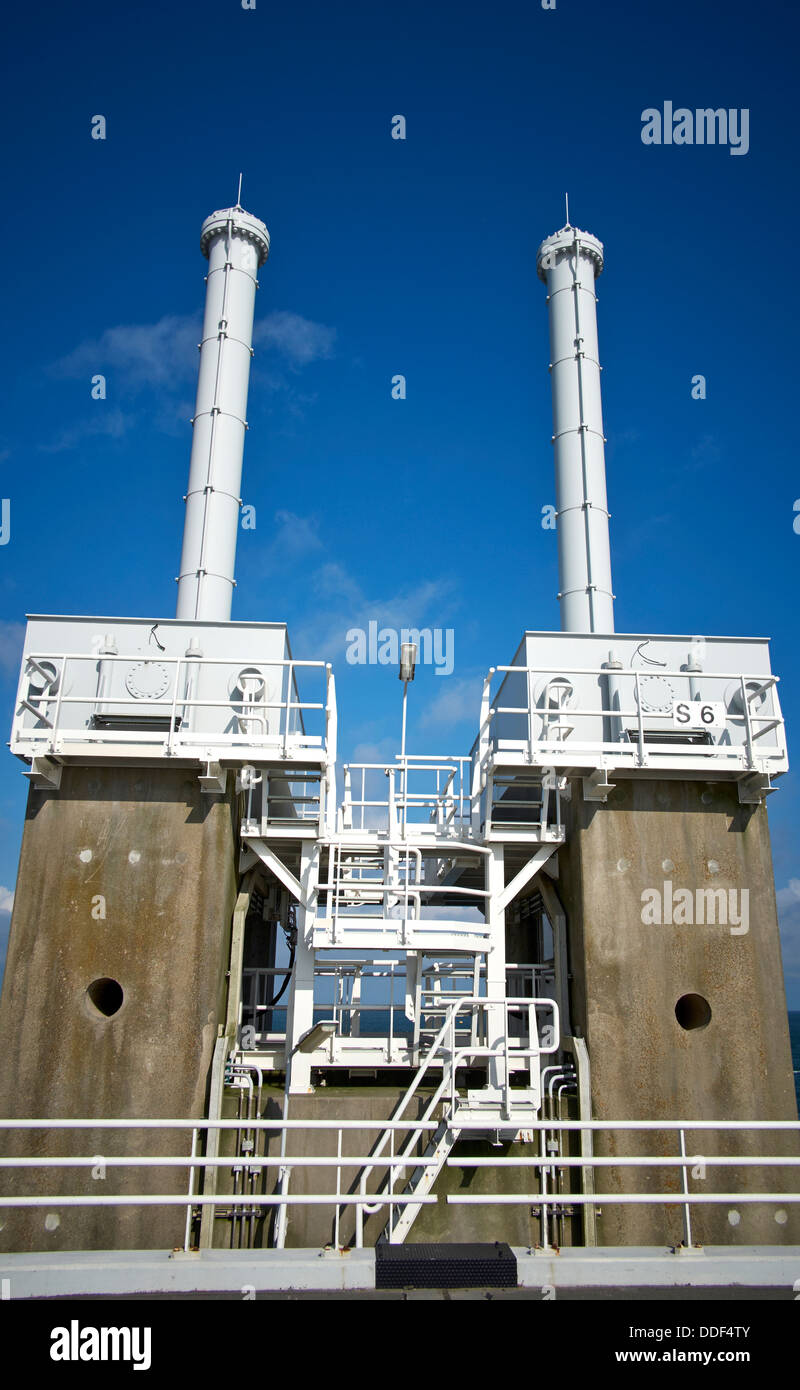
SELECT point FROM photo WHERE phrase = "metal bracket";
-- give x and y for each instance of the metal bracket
(44, 774)
(754, 788)
(214, 780)
(596, 786)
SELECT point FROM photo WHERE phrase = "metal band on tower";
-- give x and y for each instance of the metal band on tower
(236, 244)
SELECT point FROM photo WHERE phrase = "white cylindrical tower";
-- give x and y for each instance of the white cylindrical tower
(236, 244)
(568, 262)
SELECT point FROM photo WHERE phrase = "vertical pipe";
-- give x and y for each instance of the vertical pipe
(188, 1232)
(694, 666)
(568, 263)
(236, 244)
(687, 1217)
(105, 672)
(613, 700)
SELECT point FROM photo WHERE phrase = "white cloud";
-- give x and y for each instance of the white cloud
(458, 700)
(160, 359)
(298, 339)
(383, 751)
(341, 604)
(6, 899)
(157, 359)
(164, 354)
(789, 897)
(111, 423)
(158, 354)
(292, 538)
(333, 583)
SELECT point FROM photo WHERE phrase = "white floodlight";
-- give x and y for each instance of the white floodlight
(408, 660)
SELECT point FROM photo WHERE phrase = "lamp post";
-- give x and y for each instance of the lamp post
(408, 662)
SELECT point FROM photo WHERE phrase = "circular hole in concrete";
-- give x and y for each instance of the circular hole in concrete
(693, 1011)
(105, 996)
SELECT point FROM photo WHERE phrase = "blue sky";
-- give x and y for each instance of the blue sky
(413, 257)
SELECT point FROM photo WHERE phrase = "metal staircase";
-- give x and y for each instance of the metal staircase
(495, 1108)
(422, 1179)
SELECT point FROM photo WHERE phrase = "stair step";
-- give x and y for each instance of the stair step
(423, 1179)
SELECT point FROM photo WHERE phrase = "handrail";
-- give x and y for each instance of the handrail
(542, 670)
(369, 1202)
(451, 1059)
(449, 806)
(178, 697)
(749, 688)
(410, 1093)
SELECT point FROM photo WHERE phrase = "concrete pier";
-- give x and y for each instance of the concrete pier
(729, 1057)
(114, 988)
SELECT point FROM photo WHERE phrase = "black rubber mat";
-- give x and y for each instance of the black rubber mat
(445, 1266)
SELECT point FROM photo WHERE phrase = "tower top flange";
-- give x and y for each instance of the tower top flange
(564, 240)
(244, 224)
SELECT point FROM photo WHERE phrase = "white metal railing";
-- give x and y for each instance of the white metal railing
(242, 1203)
(521, 803)
(573, 715)
(260, 985)
(548, 1200)
(347, 1006)
(197, 1164)
(378, 894)
(170, 718)
(284, 799)
(410, 1009)
(429, 793)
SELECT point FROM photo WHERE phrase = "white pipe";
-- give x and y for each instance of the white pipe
(526, 1199)
(568, 263)
(218, 1199)
(236, 244)
(367, 1123)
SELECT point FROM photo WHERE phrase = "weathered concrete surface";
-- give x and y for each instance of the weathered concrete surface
(314, 1225)
(628, 977)
(128, 874)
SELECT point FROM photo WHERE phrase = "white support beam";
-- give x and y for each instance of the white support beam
(286, 877)
(526, 873)
(247, 858)
(496, 969)
(300, 1019)
(558, 921)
